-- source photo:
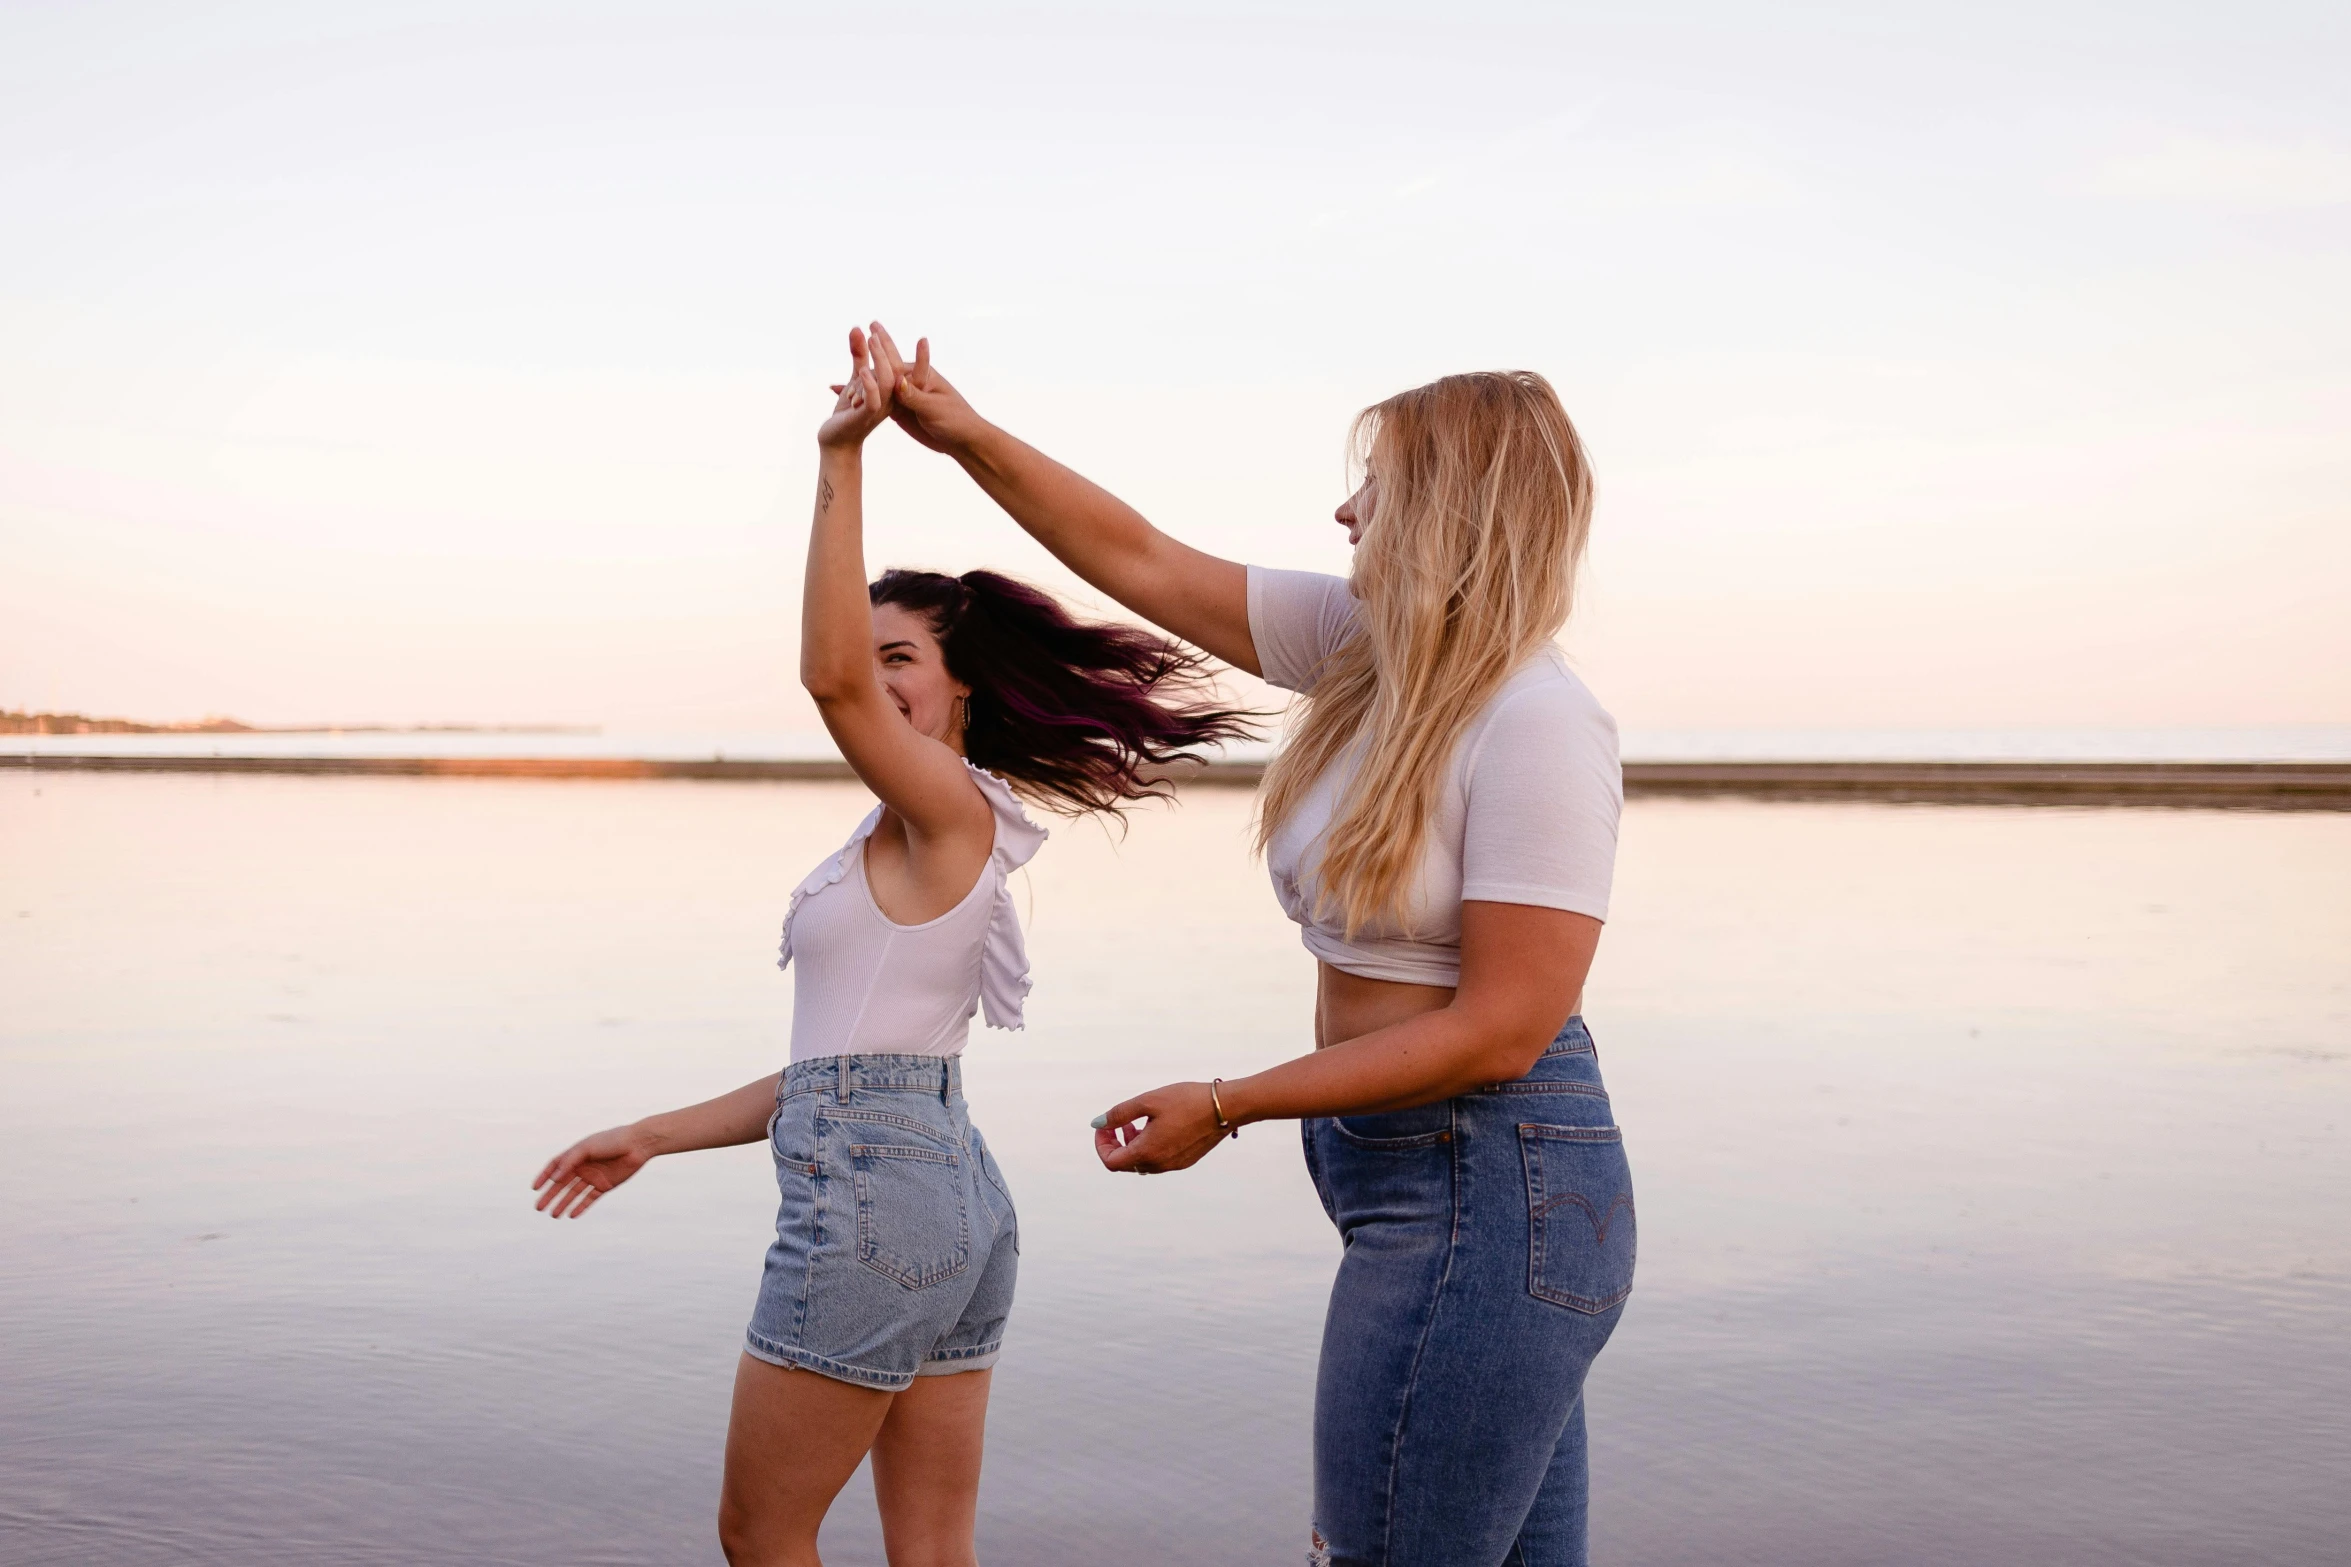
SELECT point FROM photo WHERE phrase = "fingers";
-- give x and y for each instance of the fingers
(886, 350)
(1111, 1138)
(858, 393)
(861, 364)
(908, 379)
(1128, 1157)
(1119, 1134)
(872, 371)
(575, 1198)
(565, 1182)
(558, 1170)
(1139, 1108)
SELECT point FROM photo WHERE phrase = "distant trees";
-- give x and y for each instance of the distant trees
(16, 723)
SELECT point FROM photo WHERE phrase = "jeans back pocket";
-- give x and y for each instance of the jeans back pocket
(1398, 1131)
(1579, 1215)
(913, 1222)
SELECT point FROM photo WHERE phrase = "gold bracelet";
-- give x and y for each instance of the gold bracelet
(1216, 1102)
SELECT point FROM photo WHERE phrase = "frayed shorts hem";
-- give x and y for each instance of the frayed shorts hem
(945, 1363)
(948, 1362)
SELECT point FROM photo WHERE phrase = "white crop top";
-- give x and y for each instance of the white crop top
(867, 985)
(1527, 813)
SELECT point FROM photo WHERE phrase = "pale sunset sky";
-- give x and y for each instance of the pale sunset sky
(1972, 364)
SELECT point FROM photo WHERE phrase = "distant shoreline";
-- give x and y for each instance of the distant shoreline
(13, 722)
(2319, 786)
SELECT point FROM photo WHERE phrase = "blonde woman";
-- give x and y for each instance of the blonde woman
(1442, 825)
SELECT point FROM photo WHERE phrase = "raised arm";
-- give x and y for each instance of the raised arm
(1197, 596)
(916, 776)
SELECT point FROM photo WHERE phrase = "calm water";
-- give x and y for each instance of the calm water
(1992, 1168)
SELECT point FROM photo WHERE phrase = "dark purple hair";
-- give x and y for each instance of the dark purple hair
(1077, 715)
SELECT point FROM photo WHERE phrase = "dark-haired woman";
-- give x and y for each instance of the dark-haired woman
(885, 1295)
(1442, 824)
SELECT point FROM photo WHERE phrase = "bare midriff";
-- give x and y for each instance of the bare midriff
(1348, 1006)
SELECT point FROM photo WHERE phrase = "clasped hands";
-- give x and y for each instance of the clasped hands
(1169, 1128)
(882, 384)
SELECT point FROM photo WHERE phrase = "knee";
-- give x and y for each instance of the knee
(745, 1544)
(734, 1535)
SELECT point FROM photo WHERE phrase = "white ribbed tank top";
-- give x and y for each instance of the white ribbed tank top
(865, 985)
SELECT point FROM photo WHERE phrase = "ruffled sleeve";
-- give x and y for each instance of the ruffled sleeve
(825, 875)
(1004, 958)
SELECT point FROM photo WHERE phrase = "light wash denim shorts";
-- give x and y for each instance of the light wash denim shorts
(896, 1246)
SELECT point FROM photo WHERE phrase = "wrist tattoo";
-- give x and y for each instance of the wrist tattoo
(824, 495)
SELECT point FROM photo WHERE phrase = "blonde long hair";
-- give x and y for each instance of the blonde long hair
(1467, 566)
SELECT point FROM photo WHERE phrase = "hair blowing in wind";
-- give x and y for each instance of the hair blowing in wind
(1466, 568)
(1076, 715)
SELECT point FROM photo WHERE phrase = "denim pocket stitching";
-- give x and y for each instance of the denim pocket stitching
(883, 1117)
(1322, 1187)
(1404, 1144)
(1599, 1221)
(869, 1242)
(1391, 1144)
(890, 1151)
(924, 1083)
(1541, 1205)
(987, 1163)
(1587, 1089)
(786, 1160)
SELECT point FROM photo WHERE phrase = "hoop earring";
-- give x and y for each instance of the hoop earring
(963, 715)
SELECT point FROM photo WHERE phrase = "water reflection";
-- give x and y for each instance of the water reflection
(1990, 1165)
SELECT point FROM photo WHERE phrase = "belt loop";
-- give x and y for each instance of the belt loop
(946, 1079)
(841, 1079)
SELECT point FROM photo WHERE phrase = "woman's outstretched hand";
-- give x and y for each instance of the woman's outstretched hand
(1178, 1128)
(925, 406)
(575, 1178)
(865, 396)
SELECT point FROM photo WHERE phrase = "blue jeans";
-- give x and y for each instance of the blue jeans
(1489, 1251)
(896, 1247)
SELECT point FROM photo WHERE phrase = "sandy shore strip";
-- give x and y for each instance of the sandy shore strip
(2324, 786)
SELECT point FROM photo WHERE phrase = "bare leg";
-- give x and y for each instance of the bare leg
(926, 1470)
(793, 1442)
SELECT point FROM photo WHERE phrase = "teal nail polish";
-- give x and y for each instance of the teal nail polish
(1100, 1121)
